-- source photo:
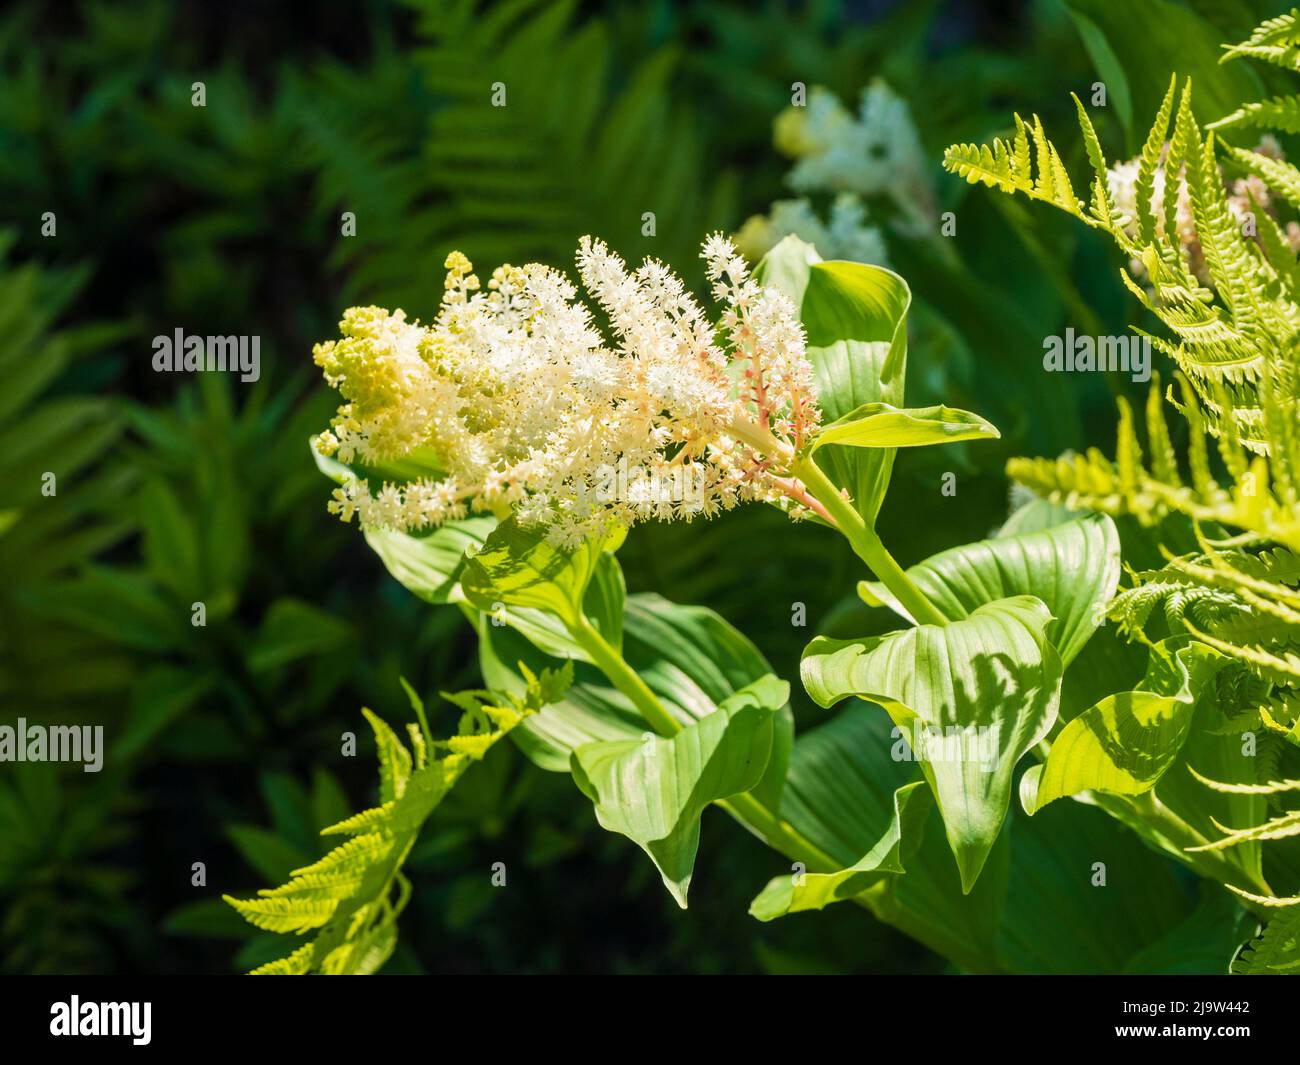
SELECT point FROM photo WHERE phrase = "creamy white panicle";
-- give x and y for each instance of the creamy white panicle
(513, 400)
(1245, 196)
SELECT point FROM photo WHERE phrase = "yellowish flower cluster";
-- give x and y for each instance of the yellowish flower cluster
(513, 400)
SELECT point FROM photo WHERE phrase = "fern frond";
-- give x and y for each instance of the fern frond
(296, 964)
(1271, 901)
(1148, 162)
(1281, 112)
(1283, 827)
(1007, 166)
(1274, 41)
(348, 894)
(1273, 787)
(285, 915)
(1280, 176)
(394, 759)
(1278, 668)
(1275, 952)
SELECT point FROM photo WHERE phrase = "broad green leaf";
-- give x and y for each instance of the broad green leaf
(1203, 943)
(1126, 742)
(1060, 917)
(976, 694)
(654, 789)
(1073, 567)
(814, 891)
(518, 567)
(1035, 908)
(1035, 516)
(1180, 811)
(602, 604)
(855, 316)
(884, 425)
(429, 564)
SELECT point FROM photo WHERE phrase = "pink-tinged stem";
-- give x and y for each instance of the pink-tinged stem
(796, 491)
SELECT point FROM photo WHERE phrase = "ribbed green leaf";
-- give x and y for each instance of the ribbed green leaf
(1036, 907)
(814, 891)
(1126, 742)
(977, 693)
(518, 567)
(856, 320)
(653, 790)
(1073, 567)
(689, 656)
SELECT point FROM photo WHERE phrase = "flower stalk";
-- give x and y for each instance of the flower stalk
(868, 546)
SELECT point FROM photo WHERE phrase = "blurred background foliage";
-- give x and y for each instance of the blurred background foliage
(224, 740)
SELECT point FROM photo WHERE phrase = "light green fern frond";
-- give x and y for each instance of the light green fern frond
(355, 893)
(1281, 112)
(1256, 499)
(1274, 41)
(1275, 952)
(1039, 174)
(1227, 287)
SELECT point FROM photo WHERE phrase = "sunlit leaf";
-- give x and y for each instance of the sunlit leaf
(976, 694)
(814, 891)
(1073, 567)
(884, 425)
(653, 789)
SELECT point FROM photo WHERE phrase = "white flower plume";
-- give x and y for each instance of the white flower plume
(513, 400)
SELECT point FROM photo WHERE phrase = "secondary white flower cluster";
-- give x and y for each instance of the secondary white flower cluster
(846, 234)
(512, 399)
(1245, 196)
(875, 155)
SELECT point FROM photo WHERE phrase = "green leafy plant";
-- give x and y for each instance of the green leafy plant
(672, 710)
(663, 720)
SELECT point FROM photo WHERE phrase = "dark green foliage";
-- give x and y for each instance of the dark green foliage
(174, 491)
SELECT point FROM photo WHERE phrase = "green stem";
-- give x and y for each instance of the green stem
(745, 808)
(867, 544)
(623, 677)
(778, 834)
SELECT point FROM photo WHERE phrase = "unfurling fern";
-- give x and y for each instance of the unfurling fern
(355, 893)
